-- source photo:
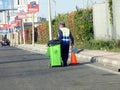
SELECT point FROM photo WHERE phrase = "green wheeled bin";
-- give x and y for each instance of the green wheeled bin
(54, 52)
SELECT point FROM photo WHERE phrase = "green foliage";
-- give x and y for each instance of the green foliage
(111, 11)
(55, 23)
(43, 33)
(84, 24)
(80, 23)
(102, 45)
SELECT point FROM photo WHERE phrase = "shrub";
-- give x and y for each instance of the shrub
(101, 45)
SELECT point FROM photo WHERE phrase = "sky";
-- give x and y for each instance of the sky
(63, 6)
(4, 4)
(57, 6)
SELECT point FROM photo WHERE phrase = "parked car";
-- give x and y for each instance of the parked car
(5, 42)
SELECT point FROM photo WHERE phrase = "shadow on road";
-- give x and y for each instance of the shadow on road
(23, 60)
(20, 55)
(45, 70)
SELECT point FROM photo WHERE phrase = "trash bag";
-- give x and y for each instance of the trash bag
(54, 42)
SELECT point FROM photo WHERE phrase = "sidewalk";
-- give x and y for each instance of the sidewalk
(103, 57)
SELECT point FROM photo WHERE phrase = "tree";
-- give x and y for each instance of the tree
(111, 11)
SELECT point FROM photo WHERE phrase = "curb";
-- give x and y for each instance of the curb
(32, 49)
(81, 57)
(101, 60)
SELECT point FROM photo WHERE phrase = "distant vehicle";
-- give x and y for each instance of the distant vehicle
(5, 42)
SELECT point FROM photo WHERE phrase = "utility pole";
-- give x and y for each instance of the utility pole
(49, 17)
(8, 19)
(23, 28)
(33, 36)
(12, 13)
(55, 7)
(18, 2)
(4, 17)
(12, 7)
(83, 4)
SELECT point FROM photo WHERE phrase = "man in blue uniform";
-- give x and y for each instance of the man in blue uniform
(64, 35)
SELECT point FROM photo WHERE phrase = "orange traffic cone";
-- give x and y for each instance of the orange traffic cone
(73, 59)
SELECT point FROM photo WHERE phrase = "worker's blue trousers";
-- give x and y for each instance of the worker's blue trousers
(64, 54)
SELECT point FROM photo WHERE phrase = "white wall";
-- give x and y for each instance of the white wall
(116, 18)
(101, 23)
(29, 18)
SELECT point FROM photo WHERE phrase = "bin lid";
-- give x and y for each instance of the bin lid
(54, 42)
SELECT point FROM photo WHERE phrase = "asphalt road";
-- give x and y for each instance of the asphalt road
(23, 70)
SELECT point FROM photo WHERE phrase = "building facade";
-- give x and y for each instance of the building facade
(116, 18)
(103, 29)
(101, 21)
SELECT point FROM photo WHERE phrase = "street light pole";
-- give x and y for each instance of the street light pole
(83, 4)
(23, 28)
(55, 7)
(33, 42)
(8, 19)
(49, 17)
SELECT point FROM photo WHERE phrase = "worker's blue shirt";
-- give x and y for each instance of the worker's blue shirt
(65, 35)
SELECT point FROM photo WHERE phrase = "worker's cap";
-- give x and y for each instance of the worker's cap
(62, 22)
